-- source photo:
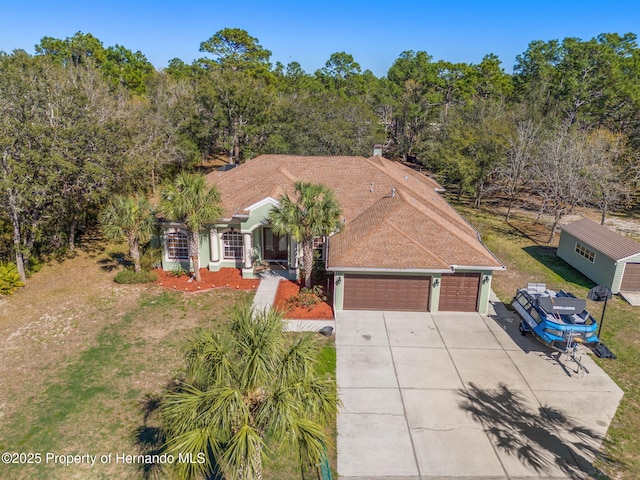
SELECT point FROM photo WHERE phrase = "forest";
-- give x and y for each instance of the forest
(80, 122)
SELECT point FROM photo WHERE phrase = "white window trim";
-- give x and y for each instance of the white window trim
(320, 244)
(168, 255)
(238, 248)
(585, 252)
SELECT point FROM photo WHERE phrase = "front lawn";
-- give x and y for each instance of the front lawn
(80, 359)
(520, 246)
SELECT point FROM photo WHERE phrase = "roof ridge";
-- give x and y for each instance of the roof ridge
(416, 242)
(457, 232)
(282, 169)
(349, 238)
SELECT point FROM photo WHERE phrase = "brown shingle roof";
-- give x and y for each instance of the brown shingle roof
(606, 241)
(413, 229)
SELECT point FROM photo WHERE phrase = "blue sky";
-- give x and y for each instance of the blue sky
(375, 32)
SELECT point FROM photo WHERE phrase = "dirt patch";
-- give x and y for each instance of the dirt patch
(225, 278)
(79, 352)
(286, 290)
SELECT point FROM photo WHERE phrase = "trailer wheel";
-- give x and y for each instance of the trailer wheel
(523, 331)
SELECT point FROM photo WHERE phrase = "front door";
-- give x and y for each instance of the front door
(275, 246)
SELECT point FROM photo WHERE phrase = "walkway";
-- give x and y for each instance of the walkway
(266, 293)
(265, 296)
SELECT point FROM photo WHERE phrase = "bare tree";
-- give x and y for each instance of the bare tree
(561, 175)
(614, 176)
(515, 173)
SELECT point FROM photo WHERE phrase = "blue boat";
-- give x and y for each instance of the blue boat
(557, 319)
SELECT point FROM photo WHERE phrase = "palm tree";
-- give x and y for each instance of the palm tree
(187, 200)
(129, 218)
(314, 213)
(250, 391)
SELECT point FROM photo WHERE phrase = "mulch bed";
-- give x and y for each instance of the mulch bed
(225, 278)
(287, 289)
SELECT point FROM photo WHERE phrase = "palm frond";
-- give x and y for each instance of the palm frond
(209, 361)
(257, 336)
(198, 444)
(124, 218)
(299, 359)
(242, 457)
(310, 440)
(188, 200)
(317, 394)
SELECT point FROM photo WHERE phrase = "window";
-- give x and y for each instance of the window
(232, 244)
(318, 247)
(177, 246)
(585, 252)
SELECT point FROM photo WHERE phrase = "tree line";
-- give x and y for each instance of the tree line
(80, 122)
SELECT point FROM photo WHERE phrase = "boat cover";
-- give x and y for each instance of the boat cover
(562, 305)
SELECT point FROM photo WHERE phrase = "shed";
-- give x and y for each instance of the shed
(604, 256)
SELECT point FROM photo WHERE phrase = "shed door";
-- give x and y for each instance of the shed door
(459, 292)
(386, 292)
(631, 278)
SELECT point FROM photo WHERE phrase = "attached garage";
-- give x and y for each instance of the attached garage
(459, 292)
(602, 255)
(386, 292)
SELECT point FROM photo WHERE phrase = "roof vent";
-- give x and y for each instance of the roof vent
(371, 187)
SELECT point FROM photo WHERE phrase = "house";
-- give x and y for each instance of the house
(601, 254)
(403, 247)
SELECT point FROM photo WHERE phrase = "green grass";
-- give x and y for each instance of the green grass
(327, 357)
(92, 402)
(283, 465)
(528, 261)
(124, 346)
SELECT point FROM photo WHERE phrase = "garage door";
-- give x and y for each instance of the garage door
(386, 292)
(631, 278)
(459, 292)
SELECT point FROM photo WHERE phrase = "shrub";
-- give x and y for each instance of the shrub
(9, 278)
(129, 276)
(306, 298)
(178, 271)
(151, 258)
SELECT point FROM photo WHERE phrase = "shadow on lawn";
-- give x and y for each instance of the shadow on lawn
(113, 261)
(532, 434)
(547, 257)
(150, 438)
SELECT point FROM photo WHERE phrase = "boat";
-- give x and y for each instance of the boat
(557, 318)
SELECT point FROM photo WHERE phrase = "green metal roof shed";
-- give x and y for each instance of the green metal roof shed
(604, 256)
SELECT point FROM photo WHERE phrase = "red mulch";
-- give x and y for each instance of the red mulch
(287, 289)
(225, 278)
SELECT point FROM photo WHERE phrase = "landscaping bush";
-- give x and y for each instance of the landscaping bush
(129, 276)
(151, 258)
(178, 271)
(9, 278)
(306, 298)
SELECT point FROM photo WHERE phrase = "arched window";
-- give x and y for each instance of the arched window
(177, 246)
(232, 244)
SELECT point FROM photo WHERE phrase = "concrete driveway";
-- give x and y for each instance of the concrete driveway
(463, 395)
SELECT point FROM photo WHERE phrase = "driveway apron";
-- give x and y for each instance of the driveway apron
(463, 395)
